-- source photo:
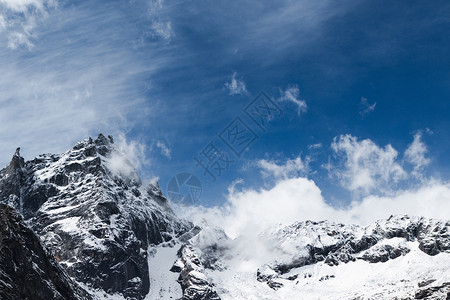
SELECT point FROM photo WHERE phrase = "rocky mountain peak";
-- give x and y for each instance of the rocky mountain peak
(89, 208)
(16, 163)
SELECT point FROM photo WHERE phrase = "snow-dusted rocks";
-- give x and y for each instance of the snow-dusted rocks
(27, 270)
(204, 250)
(194, 282)
(307, 243)
(91, 211)
(398, 258)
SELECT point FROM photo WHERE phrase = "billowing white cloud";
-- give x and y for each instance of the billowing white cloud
(365, 107)
(236, 86)
(248, 212)
(415, 155)
(431, 199)
(363, 166)
(127, 157)
(291, 94)
(290, 168)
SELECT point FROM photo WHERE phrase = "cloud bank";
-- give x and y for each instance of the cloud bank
(293, 197)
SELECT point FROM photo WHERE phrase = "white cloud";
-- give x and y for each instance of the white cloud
(315, 146)
(20, 18)
(415, 154)
(133, 150)
(162, 29)
(291, 168)
(76, 83)
(431, 200)
(249, 212)
(291, 94)
(154, 6)
(164, 149)
(160, 26)
(127, 158)
(363, 166)
(22, 5)
(365, 108)
(236, 86)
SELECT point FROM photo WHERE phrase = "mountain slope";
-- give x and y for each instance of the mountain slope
(91, 211)
(398, 258)
(27, 270)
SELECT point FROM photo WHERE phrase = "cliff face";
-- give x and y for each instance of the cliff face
(89, 208)
(27, 270)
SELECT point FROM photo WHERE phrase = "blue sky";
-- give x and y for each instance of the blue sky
(363, 87)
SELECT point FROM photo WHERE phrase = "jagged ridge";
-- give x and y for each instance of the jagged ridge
(91, 211)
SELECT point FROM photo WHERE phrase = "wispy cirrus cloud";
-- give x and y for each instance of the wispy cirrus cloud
(415, 155)
(291, 94)
(20, 19)
(160, 25)
(365, 108)
(164, 150)
(236, 86)
(75, 81)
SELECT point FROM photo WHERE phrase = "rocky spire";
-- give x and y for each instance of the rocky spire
(16, 162)
(104, 145)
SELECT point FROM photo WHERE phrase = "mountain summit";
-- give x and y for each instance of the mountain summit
(92, 212)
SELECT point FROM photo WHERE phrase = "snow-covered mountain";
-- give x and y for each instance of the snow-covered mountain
(92, 213)
(106, 233)
(398, 258)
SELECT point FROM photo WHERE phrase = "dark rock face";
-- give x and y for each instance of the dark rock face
(435, 292)
(384, 253)
(193, 281)
(27, 270)
(89, 208)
